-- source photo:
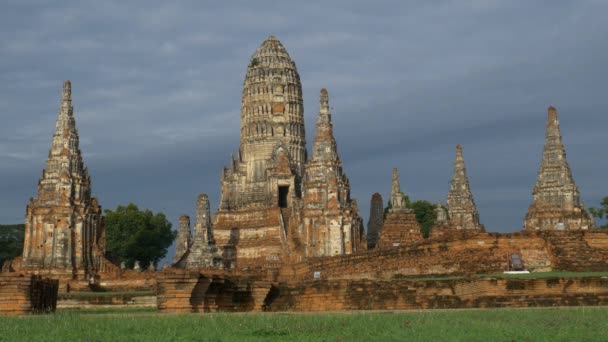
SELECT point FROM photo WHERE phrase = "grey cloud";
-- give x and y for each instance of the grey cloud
(157, 91)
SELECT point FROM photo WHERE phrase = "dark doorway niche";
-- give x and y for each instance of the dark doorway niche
(283, 192)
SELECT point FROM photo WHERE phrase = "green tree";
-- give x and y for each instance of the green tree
(601, 212)
(11, 241)
(425, 214)
(133, 234)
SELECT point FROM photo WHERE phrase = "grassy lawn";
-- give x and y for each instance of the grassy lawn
(562, 324)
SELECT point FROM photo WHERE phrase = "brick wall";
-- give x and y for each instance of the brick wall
(446, 294)
(23, 294)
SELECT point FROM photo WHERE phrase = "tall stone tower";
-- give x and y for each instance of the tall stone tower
(272, 133)
(331, 219)
(277, 205)
(461, 206)
(557, 203)
(376, 220)
(63, 225)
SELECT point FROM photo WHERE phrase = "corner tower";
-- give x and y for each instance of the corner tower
(461, 206)
(331, 217)
(63, 225)
(272, 139)
(556, 202)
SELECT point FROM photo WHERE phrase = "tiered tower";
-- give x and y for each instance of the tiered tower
(272, 126)
(332, 223)
(63, 225)
(400, 227)
(557, 203)
(376, 220)
(275, 204)
(461, 206)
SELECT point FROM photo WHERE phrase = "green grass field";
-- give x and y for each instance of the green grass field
(561, 324)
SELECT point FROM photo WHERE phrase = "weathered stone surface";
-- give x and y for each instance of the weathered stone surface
(272, 152)
(398, 203)
(400, 226)
(332, 224)
(276, 205)
(376, 220)
(462, 210)
(466, 252)
(64, 226)
(331, 295)
(556, 199)
(23, 294)
(181, 291)
(202, 252)
(183, 240)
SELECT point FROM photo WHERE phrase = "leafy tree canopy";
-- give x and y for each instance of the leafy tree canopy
(601, 212)
(11, 241)
(133, 234)
(425, 214)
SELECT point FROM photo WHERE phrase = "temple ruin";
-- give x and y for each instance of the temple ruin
(64, 229)
(288, 236)
(276, 203)
(400, 227)
(556, 199)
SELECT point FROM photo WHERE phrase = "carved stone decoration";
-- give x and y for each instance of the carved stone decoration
(276, 203)
(63, 225)
(461, 206)
(272, 98)
(556, 198)
(331, 218)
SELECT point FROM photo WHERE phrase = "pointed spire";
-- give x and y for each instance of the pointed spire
(398, 198)
(76, 226)
(324, 146)
(555, 190)
(461, 206)
(65, 160)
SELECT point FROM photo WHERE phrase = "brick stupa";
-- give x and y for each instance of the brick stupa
(64, 231)
(556, 198)
(400, 226)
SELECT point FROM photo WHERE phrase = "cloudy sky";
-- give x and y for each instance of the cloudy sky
(157, 86)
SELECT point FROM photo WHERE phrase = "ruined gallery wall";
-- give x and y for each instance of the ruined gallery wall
(23, 294)
(447, 294)
(472, 254)
(181, 291)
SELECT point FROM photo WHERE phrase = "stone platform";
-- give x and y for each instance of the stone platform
(24, 294)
